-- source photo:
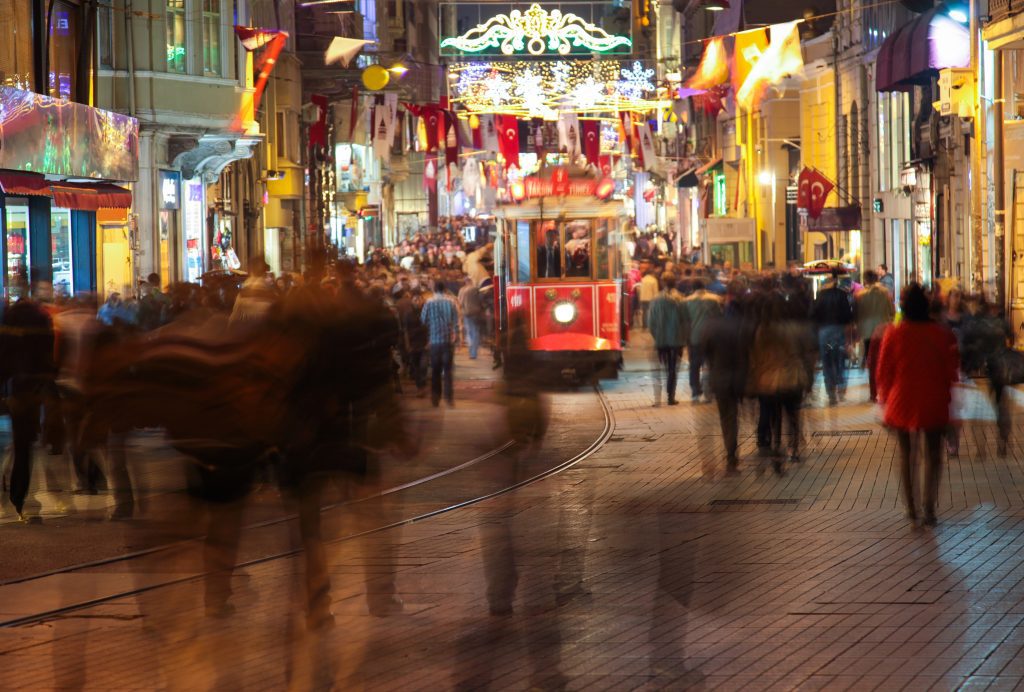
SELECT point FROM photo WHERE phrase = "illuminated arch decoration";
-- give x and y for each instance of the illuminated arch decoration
(537, 32)
(542, 89)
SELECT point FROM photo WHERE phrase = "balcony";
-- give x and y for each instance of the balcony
(1005, 27)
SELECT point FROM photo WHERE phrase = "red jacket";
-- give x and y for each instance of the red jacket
(917, 367)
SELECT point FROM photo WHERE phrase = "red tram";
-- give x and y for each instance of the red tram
(558, 260)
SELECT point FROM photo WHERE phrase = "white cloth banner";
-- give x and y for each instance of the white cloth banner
(647, 146)
(569, 135)
(489, 134)
(391, 102)
(382, 133)
(470, 177)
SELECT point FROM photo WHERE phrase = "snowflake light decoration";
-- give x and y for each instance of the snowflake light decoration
(636, 81)
(588, 94)
(560, 73)
(497, 89)
(530, 88)
(472, 74)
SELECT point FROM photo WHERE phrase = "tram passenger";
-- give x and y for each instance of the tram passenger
(577, 251)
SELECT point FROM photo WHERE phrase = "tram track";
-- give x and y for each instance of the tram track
(43, 616)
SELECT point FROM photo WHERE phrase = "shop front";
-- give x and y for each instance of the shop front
(54, 158)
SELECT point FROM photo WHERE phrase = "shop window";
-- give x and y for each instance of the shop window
(63, 59)
(176, 36)
(16, 239)
(16, 54)
(522, 251)
(60, 252)
(105, 35)
(721, 207)
(211, 37)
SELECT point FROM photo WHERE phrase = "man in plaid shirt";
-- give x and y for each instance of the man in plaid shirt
(441, 317)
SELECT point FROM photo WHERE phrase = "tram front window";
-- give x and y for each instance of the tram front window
(549, 251)
(577, 248)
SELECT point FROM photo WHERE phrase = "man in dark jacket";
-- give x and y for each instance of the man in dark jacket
(726, 346)
(27, 368)
(832, 313)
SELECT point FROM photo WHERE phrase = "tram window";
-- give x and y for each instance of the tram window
(603, 249)
(521, 261)
(549, 250)
(578, 248)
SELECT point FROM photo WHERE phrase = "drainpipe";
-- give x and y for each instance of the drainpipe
(130, 40)
(999, 184)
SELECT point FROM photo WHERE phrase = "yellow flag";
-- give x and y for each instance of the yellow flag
(747, 49)
(781, 58)
(713, 68)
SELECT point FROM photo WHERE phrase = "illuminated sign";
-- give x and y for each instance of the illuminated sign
(561, 186)
(169, 184)
(536, 31)
(40, 134)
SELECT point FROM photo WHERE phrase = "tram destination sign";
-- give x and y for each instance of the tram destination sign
(560, 186)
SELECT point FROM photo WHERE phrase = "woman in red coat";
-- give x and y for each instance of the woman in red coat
(917, 367)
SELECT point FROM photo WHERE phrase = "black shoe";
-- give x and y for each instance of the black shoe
(673, 402)
(777, 467)
(500, 610)
(929, 520)
(435, 404)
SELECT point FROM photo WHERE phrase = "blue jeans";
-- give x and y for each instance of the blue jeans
(441, 366)
(831, 340)
(472, 325)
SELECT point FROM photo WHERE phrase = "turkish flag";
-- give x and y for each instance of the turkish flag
(592, 141)
(818, 190)
(434, 123)
(606, 165)
(508, 139)
(803, 189)
(451, 139)
(626, 131)
(430, 173)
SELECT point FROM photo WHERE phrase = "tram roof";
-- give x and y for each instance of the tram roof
(552, 208)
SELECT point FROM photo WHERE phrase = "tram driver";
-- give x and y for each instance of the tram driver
(549, 256)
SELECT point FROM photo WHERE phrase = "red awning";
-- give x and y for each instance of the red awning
(915, 52)
(91, 196)
(15, 184)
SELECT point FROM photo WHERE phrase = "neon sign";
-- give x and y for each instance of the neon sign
(537, 32)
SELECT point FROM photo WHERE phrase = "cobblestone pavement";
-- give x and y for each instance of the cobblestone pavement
(640, 567)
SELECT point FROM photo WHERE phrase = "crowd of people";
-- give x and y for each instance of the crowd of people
(763, 337)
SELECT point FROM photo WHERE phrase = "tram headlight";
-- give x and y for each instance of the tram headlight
(564, 313)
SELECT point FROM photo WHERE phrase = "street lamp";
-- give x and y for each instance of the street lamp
(765, 177)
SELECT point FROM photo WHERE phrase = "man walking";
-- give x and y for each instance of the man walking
(27, 366)
(874, 308)
(832, 313)
(666, 322)
(472, 313)
(647, 291)
(441, 317)
(701, 307)
(727, 348)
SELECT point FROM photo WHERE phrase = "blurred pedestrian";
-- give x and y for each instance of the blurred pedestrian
(472, 313)
(873, 307)
(832, 315)
(726, 346)
(667, 324)
(441, 317)
(700, 307)
(27, 370)
(782, 362)
(917, 367)
(647, 291)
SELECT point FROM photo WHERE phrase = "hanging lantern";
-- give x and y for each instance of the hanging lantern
(376, 77)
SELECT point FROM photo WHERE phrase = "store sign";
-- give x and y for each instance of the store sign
(194, 225)
(503, 29)
(170, 183)
(566, 187)
(40, 134)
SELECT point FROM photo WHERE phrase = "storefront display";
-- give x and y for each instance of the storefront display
(16, 240)
(194, 230)
(60, 252)
(170, 203)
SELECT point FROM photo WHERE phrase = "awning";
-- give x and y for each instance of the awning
(16, 184)
(916, 51)
(691, 178)
(834, 219)
(90, 196)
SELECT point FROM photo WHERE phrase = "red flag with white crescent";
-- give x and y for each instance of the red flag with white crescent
(592, 141)
(509, 139)
(606, 165)
(803, 189)
(818, 190)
